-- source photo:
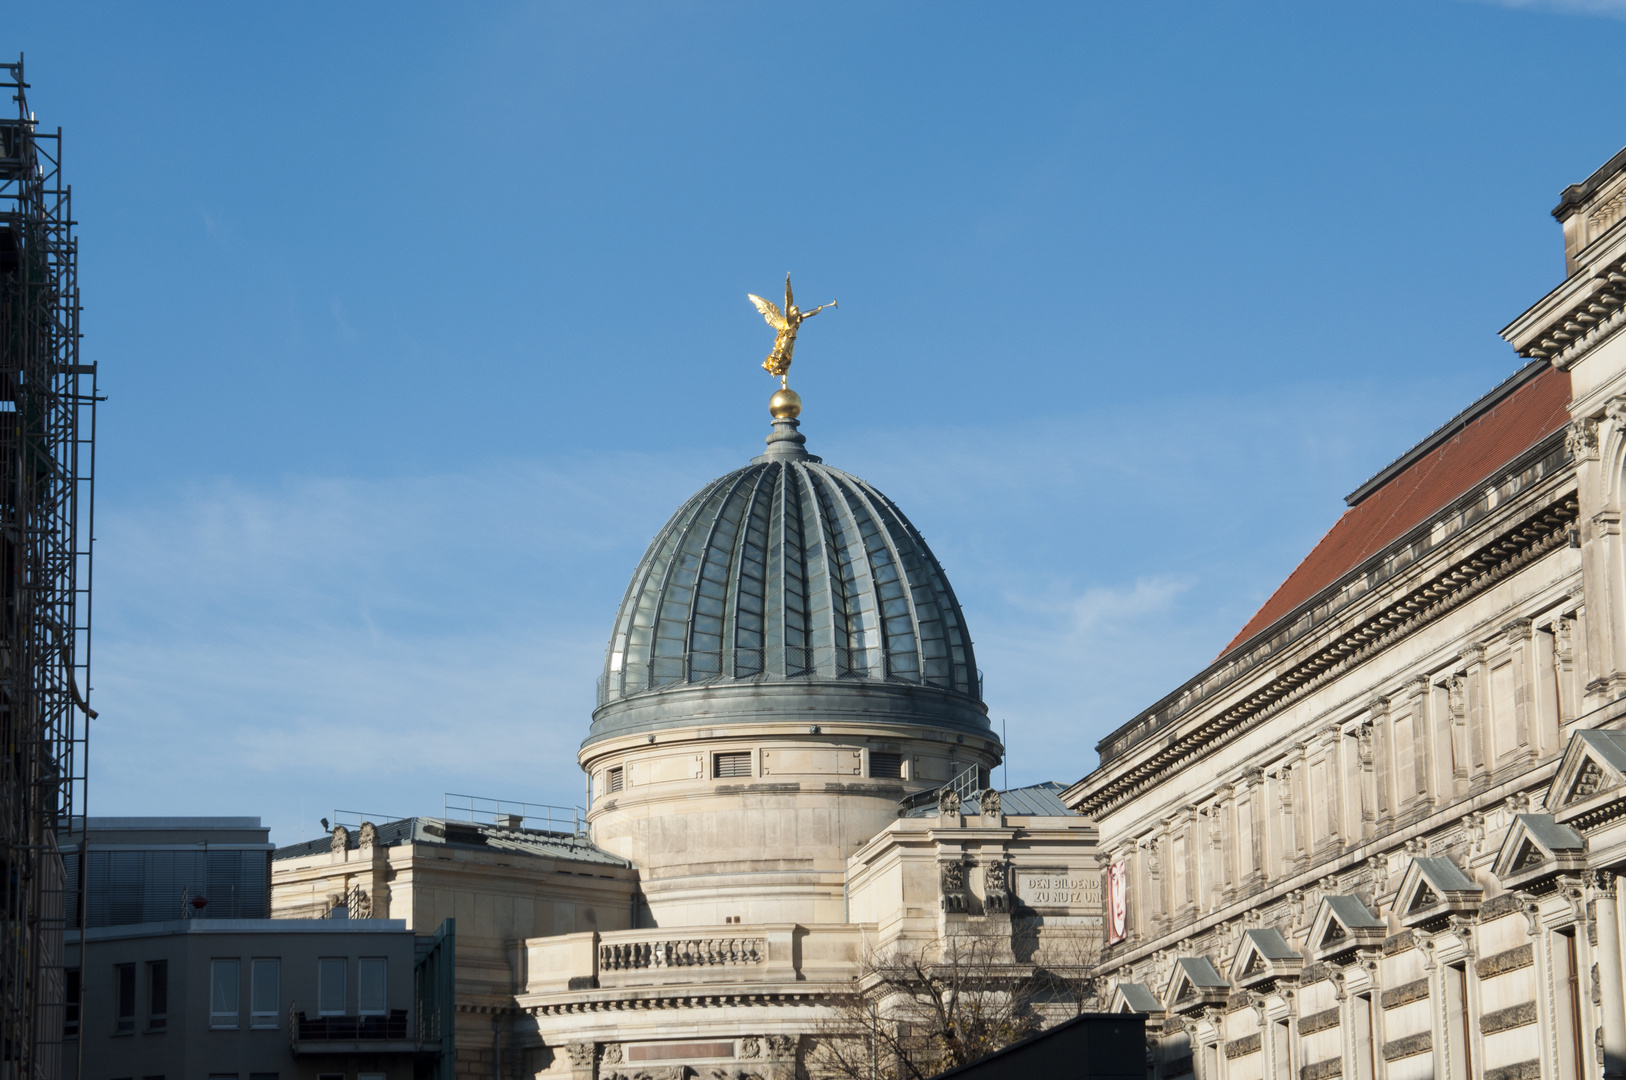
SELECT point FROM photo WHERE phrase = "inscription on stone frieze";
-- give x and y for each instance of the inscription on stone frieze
(1059, 888)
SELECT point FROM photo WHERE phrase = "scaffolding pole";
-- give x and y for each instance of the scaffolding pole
(47, 461)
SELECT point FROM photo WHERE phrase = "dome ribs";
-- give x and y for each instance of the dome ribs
(826, 582)
(853, 603)
(896, 617)
(925, 594)
(639, 614)
(794, 619)
(746, 624)
(788, 569)
(708, 602)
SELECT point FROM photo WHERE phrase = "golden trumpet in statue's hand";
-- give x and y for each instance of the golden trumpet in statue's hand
(786, 322)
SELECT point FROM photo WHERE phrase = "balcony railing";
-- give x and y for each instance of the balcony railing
(350, 1034)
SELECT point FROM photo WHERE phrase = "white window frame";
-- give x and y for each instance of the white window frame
(258, 1017)
(220, 1018)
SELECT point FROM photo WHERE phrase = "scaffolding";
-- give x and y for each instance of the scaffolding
(47, 459)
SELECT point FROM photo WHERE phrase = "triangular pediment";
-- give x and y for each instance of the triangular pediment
(1343, 924)
(1194, 982)
(1433, 888)
(1594, 762)
(1134, 998)
(1537, 847)
(1180, 990)
(1262, 956)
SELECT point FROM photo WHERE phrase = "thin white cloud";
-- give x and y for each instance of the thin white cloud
(343, 643)
(1612, 9)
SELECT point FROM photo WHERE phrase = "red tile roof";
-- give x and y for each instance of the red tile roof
(1464, 452)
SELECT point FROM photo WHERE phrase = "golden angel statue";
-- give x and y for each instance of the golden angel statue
(787, 322)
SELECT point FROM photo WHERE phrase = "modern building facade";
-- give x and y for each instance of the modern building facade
(158, 869)
(256, 999)
(1378, 836)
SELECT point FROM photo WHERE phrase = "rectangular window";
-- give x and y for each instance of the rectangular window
(731, 764)
(331, 990)
(70, 992)
(889, 766)
(158, 995)
(372, 981)
(124, 984)
(264, 987)
(616, 779)
(223, 993)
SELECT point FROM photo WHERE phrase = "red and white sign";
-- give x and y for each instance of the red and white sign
(1117, 902)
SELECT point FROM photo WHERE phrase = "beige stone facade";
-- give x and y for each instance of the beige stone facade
(1377, 838)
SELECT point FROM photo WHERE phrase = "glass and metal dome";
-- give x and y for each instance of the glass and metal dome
(788, 571)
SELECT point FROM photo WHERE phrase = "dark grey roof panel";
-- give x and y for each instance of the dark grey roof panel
(1201, 972)
(1039, 800)
(1271, 945)
(1140, 998)
(1551, 835)
(1351, 912)
(1609, 745)
(439, 832)
(1443, 875)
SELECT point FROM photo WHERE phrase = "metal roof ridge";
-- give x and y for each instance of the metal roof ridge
(1441, 434)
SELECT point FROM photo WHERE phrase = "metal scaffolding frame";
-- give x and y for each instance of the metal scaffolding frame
(47, 460)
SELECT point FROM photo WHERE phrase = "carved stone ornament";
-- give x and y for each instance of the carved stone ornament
(750, 1047)
(996, 896)
(1581, 439)
(580, 1054)
(1602, 882)
(953, 882)
(948, 801)
(988, 805)
(369, 834)
(341, 838)
(782, 1046)
(612, 1054)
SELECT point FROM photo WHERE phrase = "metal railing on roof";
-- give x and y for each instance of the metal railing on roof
(352, 819)
(513, 814)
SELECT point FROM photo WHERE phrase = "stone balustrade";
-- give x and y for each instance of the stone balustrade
(769, 953)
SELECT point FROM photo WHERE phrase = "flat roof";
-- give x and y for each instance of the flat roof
(153, 824)
(239, 926)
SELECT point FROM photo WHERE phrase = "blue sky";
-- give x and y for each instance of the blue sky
(417, 321)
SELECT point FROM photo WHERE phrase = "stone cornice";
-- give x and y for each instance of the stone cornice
(1503, 554)
(1579, 315)
(679, 997)
(1520, 482)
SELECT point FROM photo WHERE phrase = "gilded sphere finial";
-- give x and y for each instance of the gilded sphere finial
(786, 404)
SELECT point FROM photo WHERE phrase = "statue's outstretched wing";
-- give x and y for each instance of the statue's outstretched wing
(770, 311)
